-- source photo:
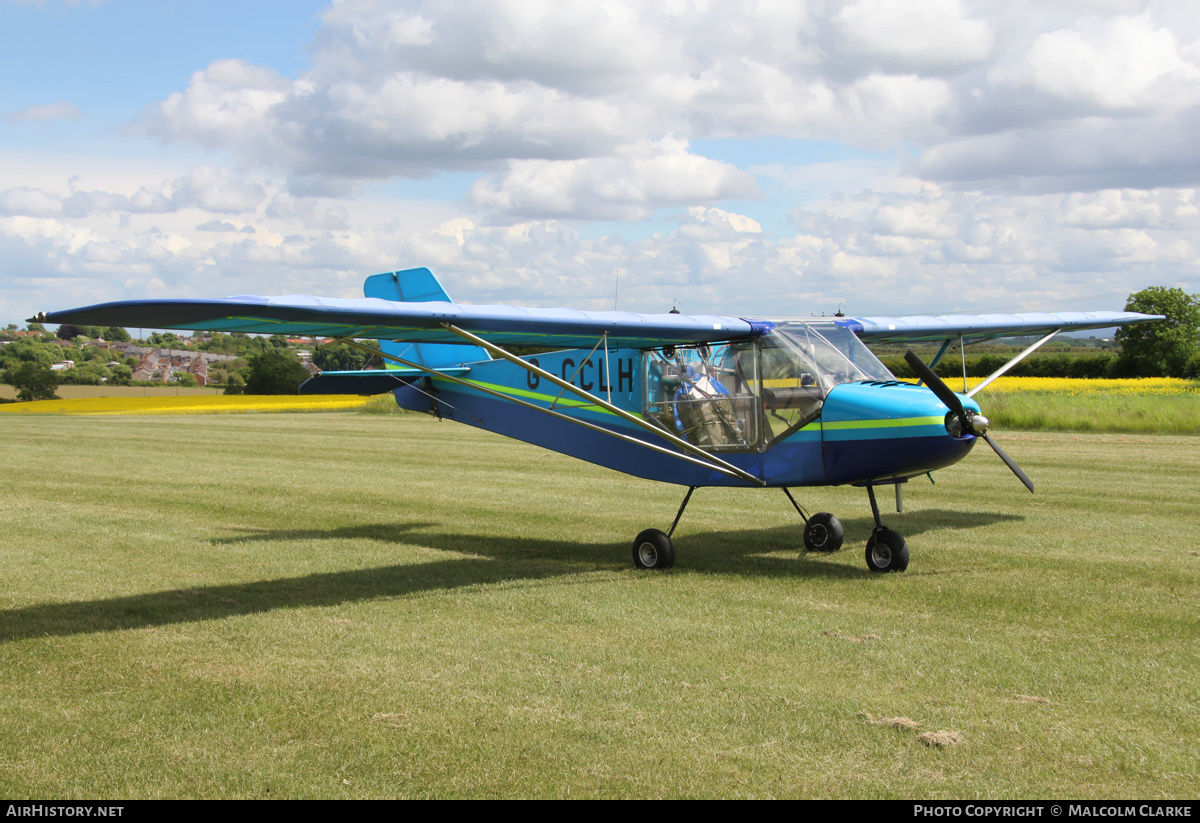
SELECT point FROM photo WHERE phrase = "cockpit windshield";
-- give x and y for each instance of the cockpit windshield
(828, 353)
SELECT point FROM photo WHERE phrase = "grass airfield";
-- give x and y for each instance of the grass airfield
(343, 605)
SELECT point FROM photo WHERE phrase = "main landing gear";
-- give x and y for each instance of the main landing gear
(652, 549)
(823, 532)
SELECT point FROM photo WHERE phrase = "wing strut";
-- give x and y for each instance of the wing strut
(1011, 363)
(715, 462)
(938, 357)
(732, 471)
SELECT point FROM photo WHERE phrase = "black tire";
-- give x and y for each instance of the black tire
(653, 550)
(823, 533)
(886, 551)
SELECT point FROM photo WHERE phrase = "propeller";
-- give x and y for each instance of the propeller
(965, 420)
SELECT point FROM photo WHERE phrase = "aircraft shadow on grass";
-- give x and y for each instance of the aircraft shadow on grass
(751, 552)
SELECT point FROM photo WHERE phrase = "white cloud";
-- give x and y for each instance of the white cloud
(919, 248)
(977, 90)
(1119, 65)
(30, 202)
(205, 188)
(63, 110)
(628, 186)
(226, 103)
(931, 36)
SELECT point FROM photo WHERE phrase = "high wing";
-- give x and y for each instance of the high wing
(425, 322)
(417, 322)
(978, 328)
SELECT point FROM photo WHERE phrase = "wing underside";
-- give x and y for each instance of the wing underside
(978, 328)
(424, 322)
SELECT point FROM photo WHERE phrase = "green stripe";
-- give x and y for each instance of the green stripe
(884, 424)
(530, 395)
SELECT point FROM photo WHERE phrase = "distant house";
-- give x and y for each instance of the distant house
(199, 367)
(148, 368)
(63, 366)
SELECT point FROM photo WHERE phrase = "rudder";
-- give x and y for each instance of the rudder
(419, 286)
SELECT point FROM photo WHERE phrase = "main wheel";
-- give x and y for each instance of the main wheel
(653, 550)
(823, 533)
(886, 551)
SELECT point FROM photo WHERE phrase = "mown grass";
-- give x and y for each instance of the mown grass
(1162, 405)
(358, 606)
(1179, 414)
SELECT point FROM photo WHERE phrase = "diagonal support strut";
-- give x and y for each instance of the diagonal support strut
(715, 462)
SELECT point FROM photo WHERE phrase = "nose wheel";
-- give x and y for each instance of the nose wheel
(886, 549)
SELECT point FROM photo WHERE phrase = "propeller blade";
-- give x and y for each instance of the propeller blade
(935, 384)
(952, 402)
(1008, 461)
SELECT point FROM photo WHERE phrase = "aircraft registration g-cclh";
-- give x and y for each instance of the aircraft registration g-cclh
(692, 400)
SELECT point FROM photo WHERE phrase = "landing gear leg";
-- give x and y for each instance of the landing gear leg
(886, 550)
(652, 549)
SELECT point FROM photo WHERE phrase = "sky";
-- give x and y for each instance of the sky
(768, 159)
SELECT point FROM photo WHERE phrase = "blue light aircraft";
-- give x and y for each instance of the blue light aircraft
(692, 400)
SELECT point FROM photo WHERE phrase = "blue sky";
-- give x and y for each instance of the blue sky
(951, 156)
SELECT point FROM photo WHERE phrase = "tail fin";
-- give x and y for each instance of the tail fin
(419, 286)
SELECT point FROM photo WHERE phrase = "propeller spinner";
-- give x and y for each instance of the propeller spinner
(961, 420)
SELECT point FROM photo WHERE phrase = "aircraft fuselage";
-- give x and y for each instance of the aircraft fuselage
(783, 428)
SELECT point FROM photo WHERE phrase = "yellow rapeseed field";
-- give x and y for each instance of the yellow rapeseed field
(222, 404)
(188, 405)
(1071, 385)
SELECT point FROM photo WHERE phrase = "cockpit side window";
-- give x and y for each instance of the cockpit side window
(791, 390)
(705, 394)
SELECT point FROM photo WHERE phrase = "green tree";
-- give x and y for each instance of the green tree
(30, 351)
(115, 334)
(121, 374)
(236, 384)
(33, 381)
(1160, 349)
(89, 374)
(186, 379)
(275, 372)
(340, 357)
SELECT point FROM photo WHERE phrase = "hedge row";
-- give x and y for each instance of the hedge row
(1046, 365)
